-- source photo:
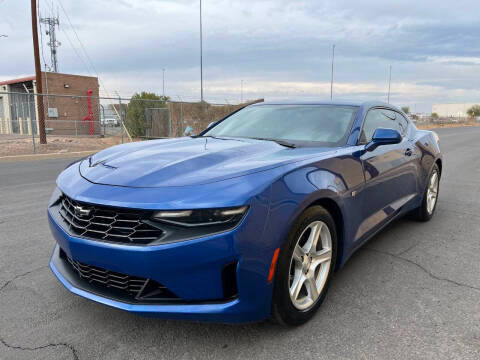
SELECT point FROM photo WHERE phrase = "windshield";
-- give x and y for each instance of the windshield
(317, 125)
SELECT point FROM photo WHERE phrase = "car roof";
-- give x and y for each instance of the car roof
(365, 104)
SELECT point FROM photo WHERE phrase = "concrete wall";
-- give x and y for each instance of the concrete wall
(5, 124)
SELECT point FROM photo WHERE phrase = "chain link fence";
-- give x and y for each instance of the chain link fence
(74, 122)
(84, 118)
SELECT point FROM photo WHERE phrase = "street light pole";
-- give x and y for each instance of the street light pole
(331, 82)
(201, 54)
(163, 83)
(241, 91)
(389, 84)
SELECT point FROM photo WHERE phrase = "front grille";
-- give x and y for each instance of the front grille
(107, 223)
(131, 286)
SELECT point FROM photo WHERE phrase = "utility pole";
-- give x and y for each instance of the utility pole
(53, 44)
(201, 54)
(241, 91)
(38, 74)
(389, 83)
(331, 82)
(163, 86)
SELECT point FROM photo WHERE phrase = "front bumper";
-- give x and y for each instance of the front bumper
(191, 269)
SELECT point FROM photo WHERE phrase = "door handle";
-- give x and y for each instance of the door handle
(408, 152)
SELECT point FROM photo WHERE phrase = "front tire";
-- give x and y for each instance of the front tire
(305, 267)
(430, 196)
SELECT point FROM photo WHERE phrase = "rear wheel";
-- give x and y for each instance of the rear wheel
(305, 266)
(429, 203)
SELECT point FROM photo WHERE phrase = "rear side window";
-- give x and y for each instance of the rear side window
(377, 118)
(402, 124)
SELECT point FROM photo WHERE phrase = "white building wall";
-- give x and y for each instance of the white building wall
(452, 110)
(6, 125)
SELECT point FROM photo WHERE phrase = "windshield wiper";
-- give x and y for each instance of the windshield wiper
(279, 142)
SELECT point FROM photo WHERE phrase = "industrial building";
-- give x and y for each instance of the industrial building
(66, 102)
(452, 110)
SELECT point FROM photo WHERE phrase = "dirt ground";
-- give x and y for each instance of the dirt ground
(22, 145)
(449, 125)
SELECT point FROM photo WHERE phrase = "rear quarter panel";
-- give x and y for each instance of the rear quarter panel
(428, 152)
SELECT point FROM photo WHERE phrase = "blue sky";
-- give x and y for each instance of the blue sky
(281, 49)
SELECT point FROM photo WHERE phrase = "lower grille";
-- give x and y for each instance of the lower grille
(131, 286)
(107, 223)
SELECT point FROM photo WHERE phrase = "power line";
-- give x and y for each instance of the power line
(76, 51)
(89, 60)
(78, 38)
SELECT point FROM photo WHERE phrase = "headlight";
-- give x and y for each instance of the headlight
(57, 193)
(203, 217)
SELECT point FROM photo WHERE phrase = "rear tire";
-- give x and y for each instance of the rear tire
(430, 197)
(305, 267)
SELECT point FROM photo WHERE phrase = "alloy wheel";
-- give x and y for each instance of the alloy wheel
(432, 192)
(310, 265)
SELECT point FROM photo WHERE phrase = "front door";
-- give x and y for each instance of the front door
(390, 180)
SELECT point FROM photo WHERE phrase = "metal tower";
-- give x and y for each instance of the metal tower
(51, 22)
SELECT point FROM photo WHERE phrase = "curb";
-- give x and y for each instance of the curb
(31, 157)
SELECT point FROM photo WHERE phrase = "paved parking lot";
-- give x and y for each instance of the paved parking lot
(412, 292)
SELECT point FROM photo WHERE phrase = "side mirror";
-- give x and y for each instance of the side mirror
(383, 137)
(211, 124)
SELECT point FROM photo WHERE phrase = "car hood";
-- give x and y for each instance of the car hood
(188, 161)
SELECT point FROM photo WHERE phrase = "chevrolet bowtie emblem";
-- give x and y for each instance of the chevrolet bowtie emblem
(81, 212)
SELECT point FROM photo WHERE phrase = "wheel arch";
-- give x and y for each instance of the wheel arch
(334, 209)
(439, 164)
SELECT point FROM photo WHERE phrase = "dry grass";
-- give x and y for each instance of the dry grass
(446, 125)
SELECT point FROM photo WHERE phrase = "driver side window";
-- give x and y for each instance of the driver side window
(376, 118)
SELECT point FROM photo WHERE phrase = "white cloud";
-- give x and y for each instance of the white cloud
(280, 48)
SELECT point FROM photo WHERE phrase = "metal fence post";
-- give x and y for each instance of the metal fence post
(182, 120)
(121, 116)
(31, 123)
(170, 122)
(147, 129)
(103, 114)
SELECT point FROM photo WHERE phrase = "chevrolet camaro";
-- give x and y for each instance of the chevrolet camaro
(247, 220)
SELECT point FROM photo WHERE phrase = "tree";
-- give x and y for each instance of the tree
(406, 109)
(135, 121)
(474, 111)
(435, 116)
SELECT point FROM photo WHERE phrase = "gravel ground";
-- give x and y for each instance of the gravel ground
(412, 292)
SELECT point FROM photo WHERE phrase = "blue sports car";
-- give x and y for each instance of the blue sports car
(247, 220)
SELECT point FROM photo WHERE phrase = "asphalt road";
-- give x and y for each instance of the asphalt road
(412, 292)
